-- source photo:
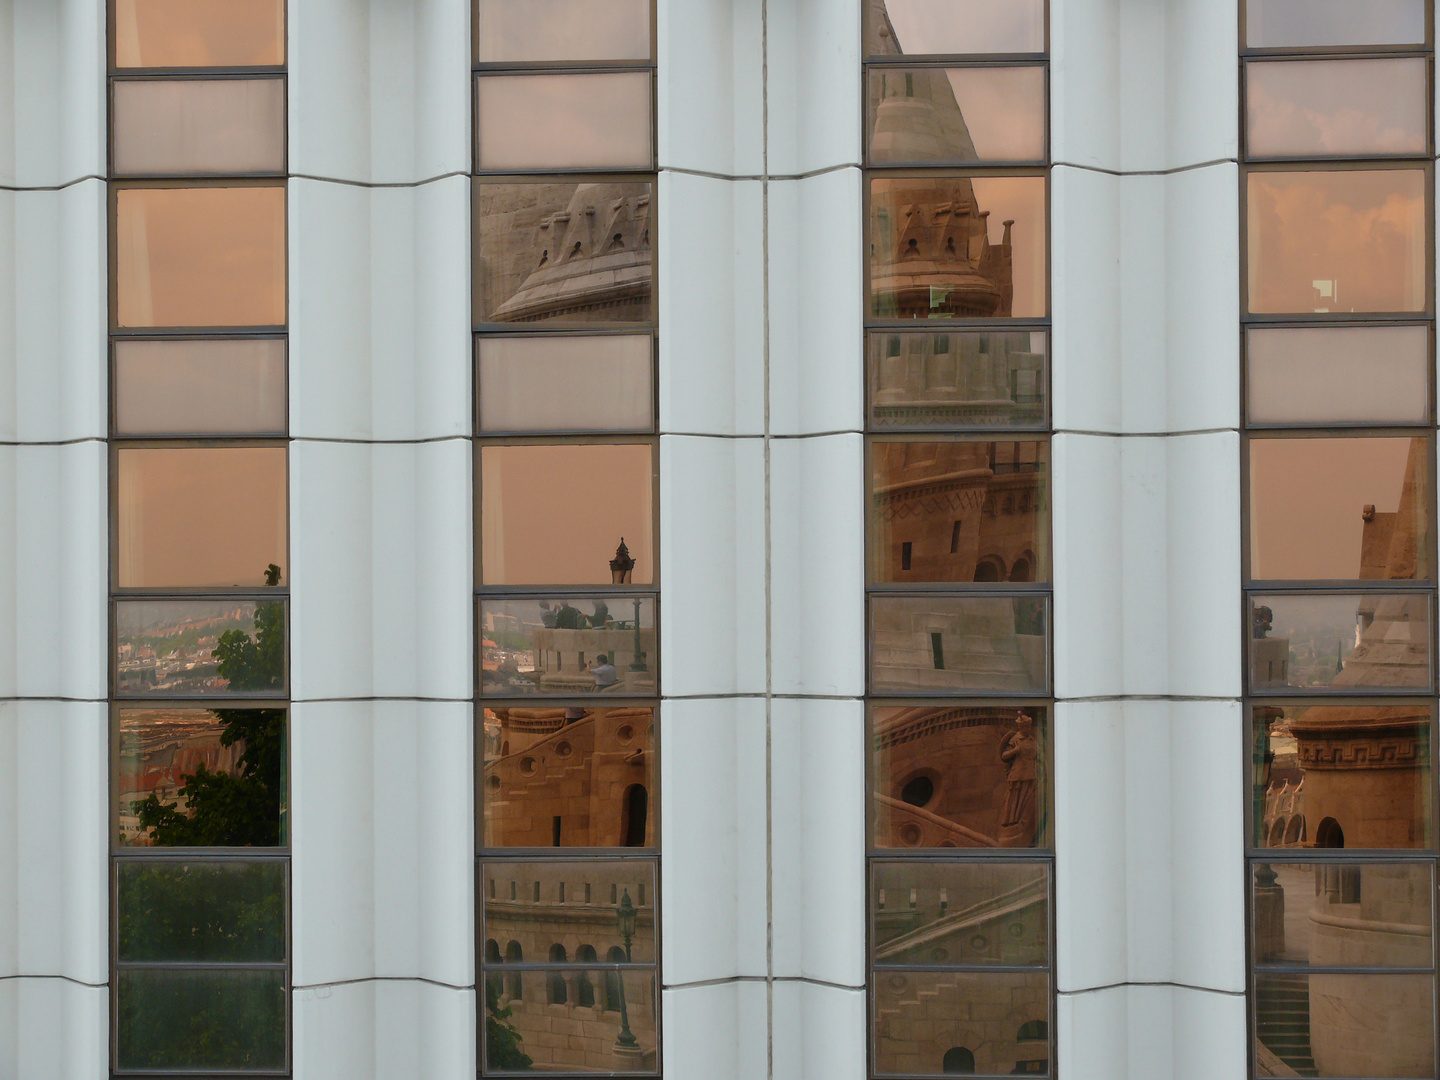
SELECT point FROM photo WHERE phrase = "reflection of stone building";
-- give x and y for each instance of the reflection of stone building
(978, 914)
(158, 751)
(968, 644)
(955, 776)
(571, 1019)
(1365, 772)
(956, 379)
(958, 511)
(553, 782)
(566, 252)
(562, 658)
(930, 250)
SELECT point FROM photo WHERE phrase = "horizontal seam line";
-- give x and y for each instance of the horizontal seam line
(49, 697)
(54, 442)
(381, 978)
(1178, 985)
(53, 187)
(380, 697)
(65, 978)
(760, 176)
(761, 694)
(376, 183)
(1146, 172)
(381, 442)
(1145, 434)
(731, 979)
(1149, 697)
(773, 435)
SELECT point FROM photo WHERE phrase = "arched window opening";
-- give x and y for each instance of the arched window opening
(514, 955)
(494, 980)
(958, 1061)
(637, 807)
(556, 982)
(1294, 830)
(1022, 570)
(584, 988)
(1035, 1030)
(990, 568)
(616, 955)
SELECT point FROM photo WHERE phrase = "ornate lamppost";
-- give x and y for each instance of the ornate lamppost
(625, 923)
(622, 568)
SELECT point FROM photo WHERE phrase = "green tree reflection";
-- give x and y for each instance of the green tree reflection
(502, 1039)
(243, 809)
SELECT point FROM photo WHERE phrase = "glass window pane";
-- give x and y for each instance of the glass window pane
(1338, 374)
(957, 114)
(1348, 1025)
(936, 1023)
(1339, 508)
(512, 30)
(212, 256)
(1338, 914)
(614, 1008)
(958, 247)
(200, 1018)
(558, 514)
(199, 33)
(566, 383)
(572, 646)
(960, 776)
(1361, 770)
(1278, 24)
(959, 511)
(923, 379)
(189, 648)
(1336, 107)
(200, 778)
(594, 121)
(568, 777)
(1344, 642)
(200, 387)
(918, 27)
(200, 911)
(200, 516)
(934, 912)
(172, 127)
(564, 253)
(530, 907)
(948, 644)
(1344, 241)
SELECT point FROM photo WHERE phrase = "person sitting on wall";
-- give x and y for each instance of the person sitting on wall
(604, 672)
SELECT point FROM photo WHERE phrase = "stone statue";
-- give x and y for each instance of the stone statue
(1020, 751)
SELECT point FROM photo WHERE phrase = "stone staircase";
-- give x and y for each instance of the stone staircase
(1282, 1020)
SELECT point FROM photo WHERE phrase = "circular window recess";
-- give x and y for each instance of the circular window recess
(493, 783)
(910, 834)
(918, 790)
(939, 955)
(623, 734)
(528, 767)
(1017, 930)
(563, 749)
(979, 943)
(899, 984)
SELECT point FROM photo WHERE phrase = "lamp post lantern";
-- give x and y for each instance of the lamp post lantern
(625, 923)
(622, 565)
